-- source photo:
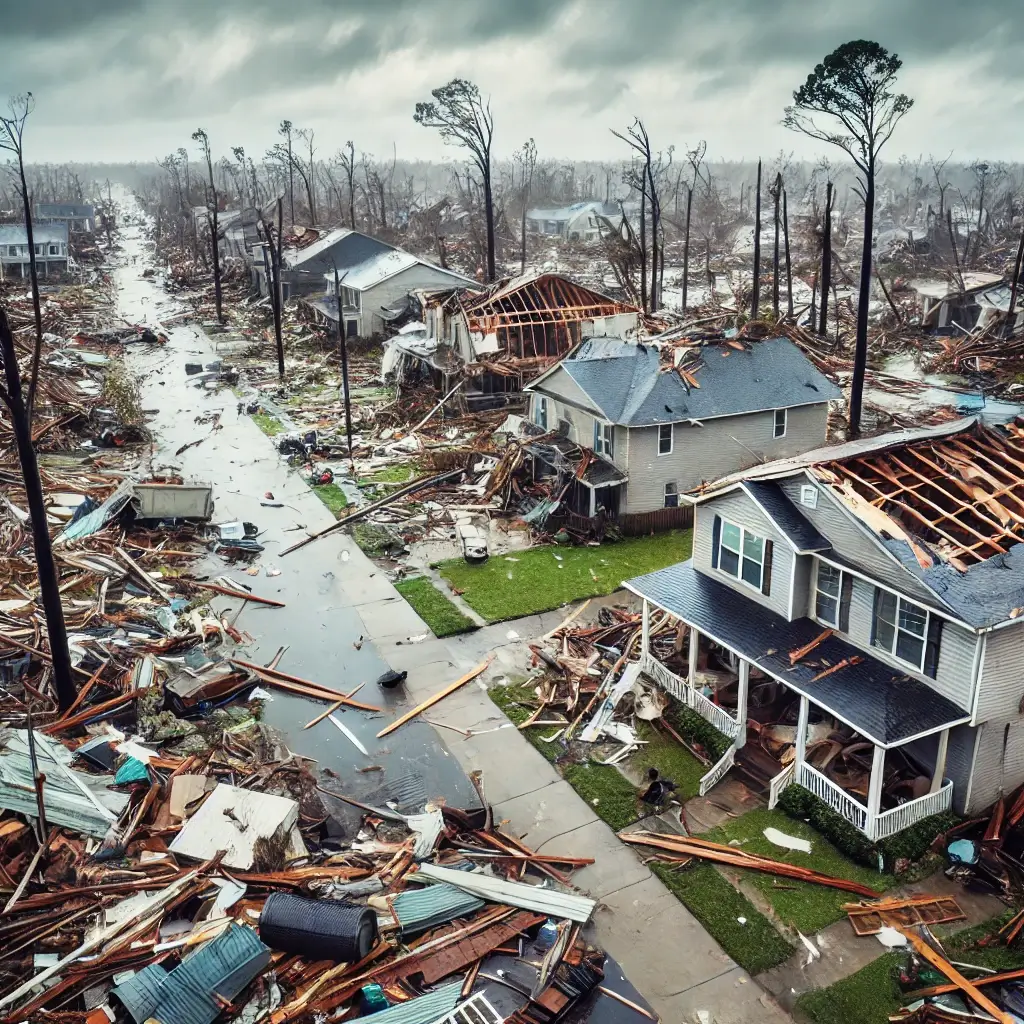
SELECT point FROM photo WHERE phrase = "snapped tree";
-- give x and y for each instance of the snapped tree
(854, 87)
(527, 157)
(463, 118)
(211, 209)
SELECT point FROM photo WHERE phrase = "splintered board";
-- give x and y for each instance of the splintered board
(870, 919)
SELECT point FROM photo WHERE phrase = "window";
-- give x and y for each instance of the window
(540, 411)
(54, 250)
(829, 586)
(741, 555)
(779, 429)
(671, 496)
(901, 628)
(809, 496)
(349, 298)
(665, 439)
(603, 433)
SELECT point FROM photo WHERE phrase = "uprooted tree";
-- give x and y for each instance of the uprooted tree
(463, 118)
(854, 87)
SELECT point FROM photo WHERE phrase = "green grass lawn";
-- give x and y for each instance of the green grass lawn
(400, 473)
(868, 997)
(270, 425)
(964, 946)
(754, 944)
(332, 496)
(544, 578)
(433, 607)
(804, 906)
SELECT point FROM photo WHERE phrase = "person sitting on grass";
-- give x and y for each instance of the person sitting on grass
(659, 791)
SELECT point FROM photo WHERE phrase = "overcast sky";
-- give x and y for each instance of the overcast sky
(131, 79)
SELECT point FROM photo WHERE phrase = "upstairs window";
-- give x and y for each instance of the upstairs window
(779, 426)
(828, 595)
(540, 411)
(743, 555)
(671, 496)
(907, 631)
(54, 250)
(603, 435)
(665, 439)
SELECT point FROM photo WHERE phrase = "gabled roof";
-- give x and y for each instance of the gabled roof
(772, 500)
(382, 266)
(348, 248)
(633, 387)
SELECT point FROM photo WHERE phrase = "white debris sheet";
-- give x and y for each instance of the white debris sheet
(787, 842)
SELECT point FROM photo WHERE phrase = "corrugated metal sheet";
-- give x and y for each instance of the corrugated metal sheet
(140, 994)
(219, 969)
(419, 909)
(424, 1010)
(515, 894)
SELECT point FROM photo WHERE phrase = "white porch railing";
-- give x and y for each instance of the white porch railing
(836, 797)
(888, 823)
(714, 776)
(693, 699)
(779, 783)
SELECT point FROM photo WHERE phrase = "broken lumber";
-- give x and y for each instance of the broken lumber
(304, 687)
(989, 979)
(801, 652)
(431, 701)
(228, 592)
(702, 848)
(968, 988)
(334, 707)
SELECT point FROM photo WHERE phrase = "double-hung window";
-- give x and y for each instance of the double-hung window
(829, 589)
(665, 439)
(780, 423)
(671, 496)
(603, 434)
(901, 628)
(540, 411)
(741, 554)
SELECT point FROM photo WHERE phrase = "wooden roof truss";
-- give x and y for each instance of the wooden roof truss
(537, 303)
(963, 495)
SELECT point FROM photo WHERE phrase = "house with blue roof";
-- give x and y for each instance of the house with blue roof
(663, 419)
(860, 608)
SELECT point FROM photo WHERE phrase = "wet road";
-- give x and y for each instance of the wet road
(333, 598)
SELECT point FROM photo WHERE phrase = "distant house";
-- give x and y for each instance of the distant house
(580, 222)
(374, 278)
(945, 303)
(503, 336)
(869, 593)
(76, 216)
(51, 244)
(671, 418)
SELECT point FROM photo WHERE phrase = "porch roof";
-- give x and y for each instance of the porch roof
(884, 705)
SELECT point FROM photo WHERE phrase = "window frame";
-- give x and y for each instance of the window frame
(838, 597)
(604, 438)
(741, 555)
(882, 594)
(54, 249)
(540, 416)
(671, 438)
(674, 494)
(775, 424)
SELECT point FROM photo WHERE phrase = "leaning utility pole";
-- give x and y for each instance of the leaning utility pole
(343, 347)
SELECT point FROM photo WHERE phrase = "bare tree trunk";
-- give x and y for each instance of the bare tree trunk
(814, 301)
(643, 251)
(755, 302)
(1018, 265)
(46, 568)
(860, 354)
(33, 273)
(789, 264)
(686, 246)
(826, 262)
(489, 219)
(275, 255)
(775, 254)
(522, 261)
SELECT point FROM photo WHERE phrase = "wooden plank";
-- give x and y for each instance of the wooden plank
(431, 701)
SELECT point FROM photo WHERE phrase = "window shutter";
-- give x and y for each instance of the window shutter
(766, 578)
(597, 428)
(716, 538)
(845, 595)
(874, 613)
(931, 650)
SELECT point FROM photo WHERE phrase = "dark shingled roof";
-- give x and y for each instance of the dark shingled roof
(881, 703)
(624, 381)
(786, 516)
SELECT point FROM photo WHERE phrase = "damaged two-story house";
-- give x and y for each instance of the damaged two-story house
(854, 619)
(663, 418)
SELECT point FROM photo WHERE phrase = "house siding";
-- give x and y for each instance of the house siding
(1002, 676)
(960, 763)
(998, 764)
(562, 388)
(957, 648)
(719, 447)
(851, 543)
(395, 288)
(803, 586)
(738, 508)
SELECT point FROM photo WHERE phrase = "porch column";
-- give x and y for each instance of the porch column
(645, 631)
(691, 672)
(741, 702)
(801, 736)
(940, 762)
(875, 790)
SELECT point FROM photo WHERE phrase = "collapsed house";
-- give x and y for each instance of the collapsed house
(580, 222)
(502, 338)
(855, 613)
(946, 305)
(662, 420)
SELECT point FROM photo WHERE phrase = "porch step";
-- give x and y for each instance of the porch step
(757, 768)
